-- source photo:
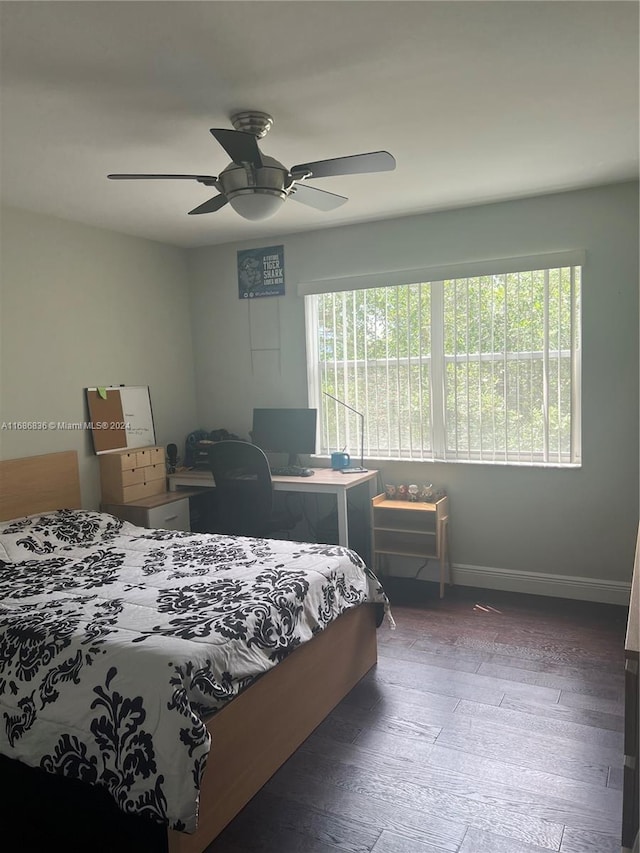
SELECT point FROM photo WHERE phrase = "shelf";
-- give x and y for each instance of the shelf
(379, 527)
(406, 542)
(381, 502)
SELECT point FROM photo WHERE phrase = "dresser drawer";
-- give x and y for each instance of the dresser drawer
(171, 516)
(157, 511)
(138, 491)
(143, 458)
(156, 455)
(154, 472)
(121, 460)
(129, 477)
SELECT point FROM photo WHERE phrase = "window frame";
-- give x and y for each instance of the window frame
(438, 359)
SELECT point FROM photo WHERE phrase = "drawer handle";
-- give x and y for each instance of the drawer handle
(171, 518)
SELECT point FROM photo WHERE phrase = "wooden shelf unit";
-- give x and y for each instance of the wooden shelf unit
(129, 475)
(411, 529)
(134, 488)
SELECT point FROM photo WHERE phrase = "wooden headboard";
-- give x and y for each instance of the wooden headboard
(39, 484)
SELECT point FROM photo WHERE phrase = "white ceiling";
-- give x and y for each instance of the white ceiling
(477, 101)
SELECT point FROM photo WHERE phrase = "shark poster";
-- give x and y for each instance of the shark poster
(261, 272)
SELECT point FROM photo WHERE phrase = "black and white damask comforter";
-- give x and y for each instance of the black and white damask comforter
(116, 641)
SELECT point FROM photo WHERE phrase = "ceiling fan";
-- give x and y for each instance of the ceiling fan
(256, 185)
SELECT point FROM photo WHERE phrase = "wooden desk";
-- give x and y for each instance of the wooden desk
(323, 481)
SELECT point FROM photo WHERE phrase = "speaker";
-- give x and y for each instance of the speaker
(172, 457)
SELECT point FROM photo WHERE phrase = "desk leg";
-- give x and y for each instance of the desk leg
(343, 515)
(343, 519)
(371, 558)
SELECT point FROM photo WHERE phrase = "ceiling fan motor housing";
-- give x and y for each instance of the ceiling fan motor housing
(270, 180)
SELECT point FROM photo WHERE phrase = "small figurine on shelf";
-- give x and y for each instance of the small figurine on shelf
(412, 493)
(403, 492)
(427, 493)
(390, 491)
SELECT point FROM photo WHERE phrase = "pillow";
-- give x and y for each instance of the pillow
(44, 533)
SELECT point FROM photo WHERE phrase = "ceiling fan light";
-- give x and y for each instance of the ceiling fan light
(256, 204)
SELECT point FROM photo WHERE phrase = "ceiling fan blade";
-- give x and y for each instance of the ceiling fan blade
(356, 164)
(210, 206)
(208, 180)
(240, 146)
(320, 199)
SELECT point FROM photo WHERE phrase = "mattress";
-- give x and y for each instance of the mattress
(117, 642)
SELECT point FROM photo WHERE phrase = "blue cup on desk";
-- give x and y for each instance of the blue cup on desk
(340, 460)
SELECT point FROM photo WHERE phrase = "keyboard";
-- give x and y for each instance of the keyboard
(292, 471)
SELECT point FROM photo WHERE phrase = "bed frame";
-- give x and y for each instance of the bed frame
(256, 733)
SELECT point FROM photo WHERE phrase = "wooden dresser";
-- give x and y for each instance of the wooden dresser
(134, 488)
(631, 787)
(128, 475)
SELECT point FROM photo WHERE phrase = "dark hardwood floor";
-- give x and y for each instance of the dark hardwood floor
(492, 723)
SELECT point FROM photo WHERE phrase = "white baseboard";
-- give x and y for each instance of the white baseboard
(539, 583)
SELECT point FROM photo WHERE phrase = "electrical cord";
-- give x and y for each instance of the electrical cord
(420, 568)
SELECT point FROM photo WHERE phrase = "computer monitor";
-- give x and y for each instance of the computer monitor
(290, 431)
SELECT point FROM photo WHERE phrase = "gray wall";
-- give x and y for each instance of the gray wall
(564, 532)
(84, 307)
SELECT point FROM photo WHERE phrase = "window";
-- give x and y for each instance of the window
(483, 368)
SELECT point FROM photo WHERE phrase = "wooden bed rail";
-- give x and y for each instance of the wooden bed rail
(254, 735)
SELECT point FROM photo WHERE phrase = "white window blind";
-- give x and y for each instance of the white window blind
(483, 368)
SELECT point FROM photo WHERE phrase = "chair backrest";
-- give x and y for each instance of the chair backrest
(244, 492)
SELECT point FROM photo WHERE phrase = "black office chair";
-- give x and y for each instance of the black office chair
(244, 492)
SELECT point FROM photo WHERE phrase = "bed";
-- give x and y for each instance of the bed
(176, 671)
